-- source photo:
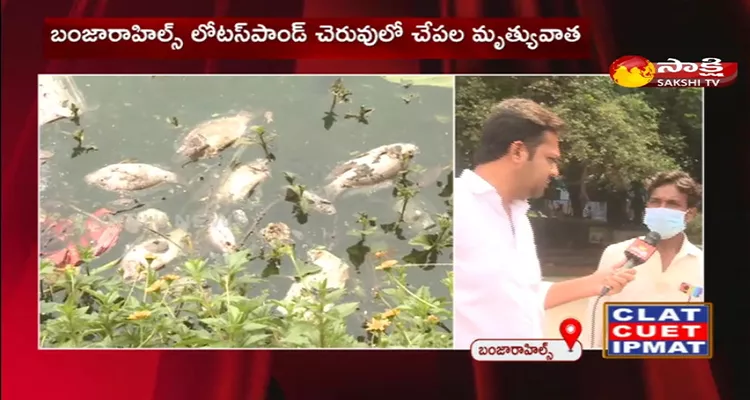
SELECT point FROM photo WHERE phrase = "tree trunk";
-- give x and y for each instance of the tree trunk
(616, 212)
(576, 187)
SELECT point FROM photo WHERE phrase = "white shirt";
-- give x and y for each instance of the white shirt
(497, 285)
(651, 284)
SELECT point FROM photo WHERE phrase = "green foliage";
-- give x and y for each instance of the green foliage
(614, 136)
(202, 305)
(694, 229)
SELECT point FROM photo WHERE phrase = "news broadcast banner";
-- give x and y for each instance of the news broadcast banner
(364, 38)
(631, 330)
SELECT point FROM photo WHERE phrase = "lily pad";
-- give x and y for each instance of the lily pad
(445, 81)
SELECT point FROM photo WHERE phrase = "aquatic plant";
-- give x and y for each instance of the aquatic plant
(218, 306)
(226, 303)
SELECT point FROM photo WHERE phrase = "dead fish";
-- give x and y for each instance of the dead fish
(221, 235)
(129, 176)
(45, 155)
(318, 203)
(243, 180)
(154, 219)
(375, 167)
(333, 270)
(416, 213)
(209, 138)
(154, 253)
(240, 217)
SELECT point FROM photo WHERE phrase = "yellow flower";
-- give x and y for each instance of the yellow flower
(156, 286)
(381, 254)
(386, 265)
(387, 314)
(139, 315)
(170, 278)
(71, 269)
(377, 325)
(433, 319)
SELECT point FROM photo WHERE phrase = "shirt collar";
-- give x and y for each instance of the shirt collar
(689, 249)
(477, 185)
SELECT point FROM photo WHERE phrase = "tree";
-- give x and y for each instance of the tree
(681, 125)
(614, 137)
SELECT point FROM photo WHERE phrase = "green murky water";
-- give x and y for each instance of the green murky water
(131, 118)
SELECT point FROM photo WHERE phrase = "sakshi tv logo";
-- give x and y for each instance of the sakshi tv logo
(636, 72)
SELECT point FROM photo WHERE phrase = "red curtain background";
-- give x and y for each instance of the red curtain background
(667, 28)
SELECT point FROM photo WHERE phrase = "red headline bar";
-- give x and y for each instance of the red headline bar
(325, 38)
(658, 331)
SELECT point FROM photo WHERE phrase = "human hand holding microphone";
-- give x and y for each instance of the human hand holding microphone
(617, 277)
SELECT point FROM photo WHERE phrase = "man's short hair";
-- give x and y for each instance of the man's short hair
(513, 120)
(682, 180)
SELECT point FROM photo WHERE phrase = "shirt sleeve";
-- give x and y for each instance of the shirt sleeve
(543, 289)
(594, 316)
(488, 304)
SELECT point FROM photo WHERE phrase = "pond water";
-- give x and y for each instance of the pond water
(143, 117)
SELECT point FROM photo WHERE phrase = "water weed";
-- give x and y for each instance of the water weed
(203, 280)
(214, 305)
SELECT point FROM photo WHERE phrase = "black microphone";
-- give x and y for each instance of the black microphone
(638, 253)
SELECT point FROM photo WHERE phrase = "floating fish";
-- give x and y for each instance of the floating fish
(129, 176)
(243, 180)
(45, 155)
(209, 138)
(333, 270)
(373, 168)
(220, 234)
(154, 253)
(416, 213)
(240, 217)
(154, 219)
(318, 203)
(58, 98)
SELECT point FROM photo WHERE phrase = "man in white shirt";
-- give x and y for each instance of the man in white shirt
(498, 287)
(675, 269)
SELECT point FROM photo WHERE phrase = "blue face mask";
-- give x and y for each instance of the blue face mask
(666, 222)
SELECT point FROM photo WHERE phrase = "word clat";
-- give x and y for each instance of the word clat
(663, 330)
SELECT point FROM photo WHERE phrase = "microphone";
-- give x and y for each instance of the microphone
(638, 253)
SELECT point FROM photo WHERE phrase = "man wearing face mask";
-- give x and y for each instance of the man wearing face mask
(673, 200)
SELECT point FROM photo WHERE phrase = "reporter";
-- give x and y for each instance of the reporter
(673, 201)
(498, 287)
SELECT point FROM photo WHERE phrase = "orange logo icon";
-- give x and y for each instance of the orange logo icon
(632, 71)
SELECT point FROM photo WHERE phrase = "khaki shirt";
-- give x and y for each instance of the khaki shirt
(650, 285)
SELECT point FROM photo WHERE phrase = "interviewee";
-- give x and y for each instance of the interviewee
(677, 265)
(498, 287)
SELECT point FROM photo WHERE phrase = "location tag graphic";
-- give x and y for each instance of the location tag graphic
(570, 329)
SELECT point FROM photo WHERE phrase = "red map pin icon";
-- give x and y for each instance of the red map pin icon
(570, 329)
